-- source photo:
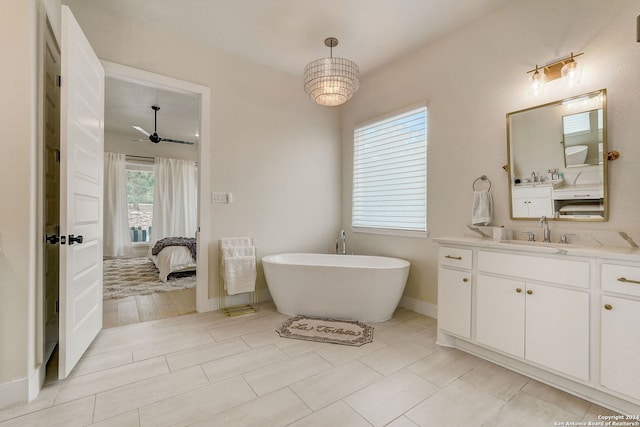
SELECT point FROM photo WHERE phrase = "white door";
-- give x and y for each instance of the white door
(81, 180)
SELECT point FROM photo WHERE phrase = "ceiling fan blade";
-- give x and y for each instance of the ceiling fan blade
(139, 129)
(177, 141)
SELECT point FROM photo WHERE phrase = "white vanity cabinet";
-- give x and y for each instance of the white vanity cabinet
(564, 315)
(544, 323)
(531, 202)
(620, 329)
(454, 291)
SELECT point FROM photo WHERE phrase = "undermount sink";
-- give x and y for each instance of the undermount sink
(550, 245)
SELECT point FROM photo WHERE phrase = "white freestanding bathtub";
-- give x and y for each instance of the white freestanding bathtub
(349, 287)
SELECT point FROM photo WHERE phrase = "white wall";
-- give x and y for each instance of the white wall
(17, 190)
(471, 79)
(274, 149)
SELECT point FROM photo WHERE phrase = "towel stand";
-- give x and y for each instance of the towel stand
(234, 310)
(481, 179)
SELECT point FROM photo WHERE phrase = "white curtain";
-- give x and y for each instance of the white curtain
(175, 204)
(117, 240)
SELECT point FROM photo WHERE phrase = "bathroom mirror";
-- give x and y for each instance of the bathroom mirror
(558, 159)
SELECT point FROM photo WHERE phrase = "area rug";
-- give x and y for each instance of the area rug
(124, 277)
(345, 332)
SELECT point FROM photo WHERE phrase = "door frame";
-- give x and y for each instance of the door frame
(146, 78)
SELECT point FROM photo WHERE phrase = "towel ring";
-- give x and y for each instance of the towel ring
(481, 178)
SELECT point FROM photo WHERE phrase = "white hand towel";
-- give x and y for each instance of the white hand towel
(238, 251)
(482, 211)
(240, 274)
(227, 242)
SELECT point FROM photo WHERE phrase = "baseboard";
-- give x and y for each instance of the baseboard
(14, 392)
(418, 306)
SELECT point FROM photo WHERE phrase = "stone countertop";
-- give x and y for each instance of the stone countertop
(618, 253)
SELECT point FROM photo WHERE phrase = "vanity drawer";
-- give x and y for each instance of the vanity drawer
(586, 194)
(519, 192)
(560, 271)
(456, 257)
(623, 279)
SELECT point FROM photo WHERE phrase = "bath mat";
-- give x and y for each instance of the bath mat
(124, 277)
(345, 332)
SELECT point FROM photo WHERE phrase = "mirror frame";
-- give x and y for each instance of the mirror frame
(509, 167)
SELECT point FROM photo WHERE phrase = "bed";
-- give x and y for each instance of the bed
(174, 254)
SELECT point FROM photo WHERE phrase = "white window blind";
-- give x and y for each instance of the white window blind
(576, 123)
(390, 173)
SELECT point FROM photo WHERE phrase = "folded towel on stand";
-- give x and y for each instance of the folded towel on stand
(227, 242)
(240, 274)
(238, 251)
(482, 210)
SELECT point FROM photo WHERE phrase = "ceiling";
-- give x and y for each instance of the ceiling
(287, 34)
(129, 104)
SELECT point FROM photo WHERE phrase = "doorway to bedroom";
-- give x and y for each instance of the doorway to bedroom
(151, 202)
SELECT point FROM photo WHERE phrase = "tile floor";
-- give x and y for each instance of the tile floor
(210, 370)
(143, 308)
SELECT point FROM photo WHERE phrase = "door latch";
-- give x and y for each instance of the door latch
(73, 239)
(52, 239)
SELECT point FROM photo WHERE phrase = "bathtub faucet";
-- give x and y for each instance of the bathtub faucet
(343, 242)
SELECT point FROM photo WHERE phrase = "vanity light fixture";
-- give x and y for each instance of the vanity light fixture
(331, 81)
(567, 68)
(537, 82)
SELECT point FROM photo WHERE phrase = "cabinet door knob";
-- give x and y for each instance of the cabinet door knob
(529, 292)
(608, 307)
(518, 290)
(465, 280)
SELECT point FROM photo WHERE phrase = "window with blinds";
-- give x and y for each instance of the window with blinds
(390, 173)
(576, 123)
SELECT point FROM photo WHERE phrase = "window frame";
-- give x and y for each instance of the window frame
(382, 230)
(136, 163)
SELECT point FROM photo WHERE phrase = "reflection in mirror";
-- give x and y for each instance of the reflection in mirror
(582, 136)
(557, 159)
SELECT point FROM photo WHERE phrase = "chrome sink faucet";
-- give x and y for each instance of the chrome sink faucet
(544, 224)
(343, 242)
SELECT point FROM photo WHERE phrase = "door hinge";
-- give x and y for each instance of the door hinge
(57, 155)
(59, 80)
(58, 306)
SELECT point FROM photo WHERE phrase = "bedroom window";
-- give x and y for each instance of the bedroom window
(390, 174)
(140, 183)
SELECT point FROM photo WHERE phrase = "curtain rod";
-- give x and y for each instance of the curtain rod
(134, 157)
(139, 157)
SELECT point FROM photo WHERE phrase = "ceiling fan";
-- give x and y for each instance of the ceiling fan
(155, 138)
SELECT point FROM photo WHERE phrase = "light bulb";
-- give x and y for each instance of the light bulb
(571, 72)
(537, 82)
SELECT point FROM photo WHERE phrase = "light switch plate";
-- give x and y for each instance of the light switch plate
(217, 197)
